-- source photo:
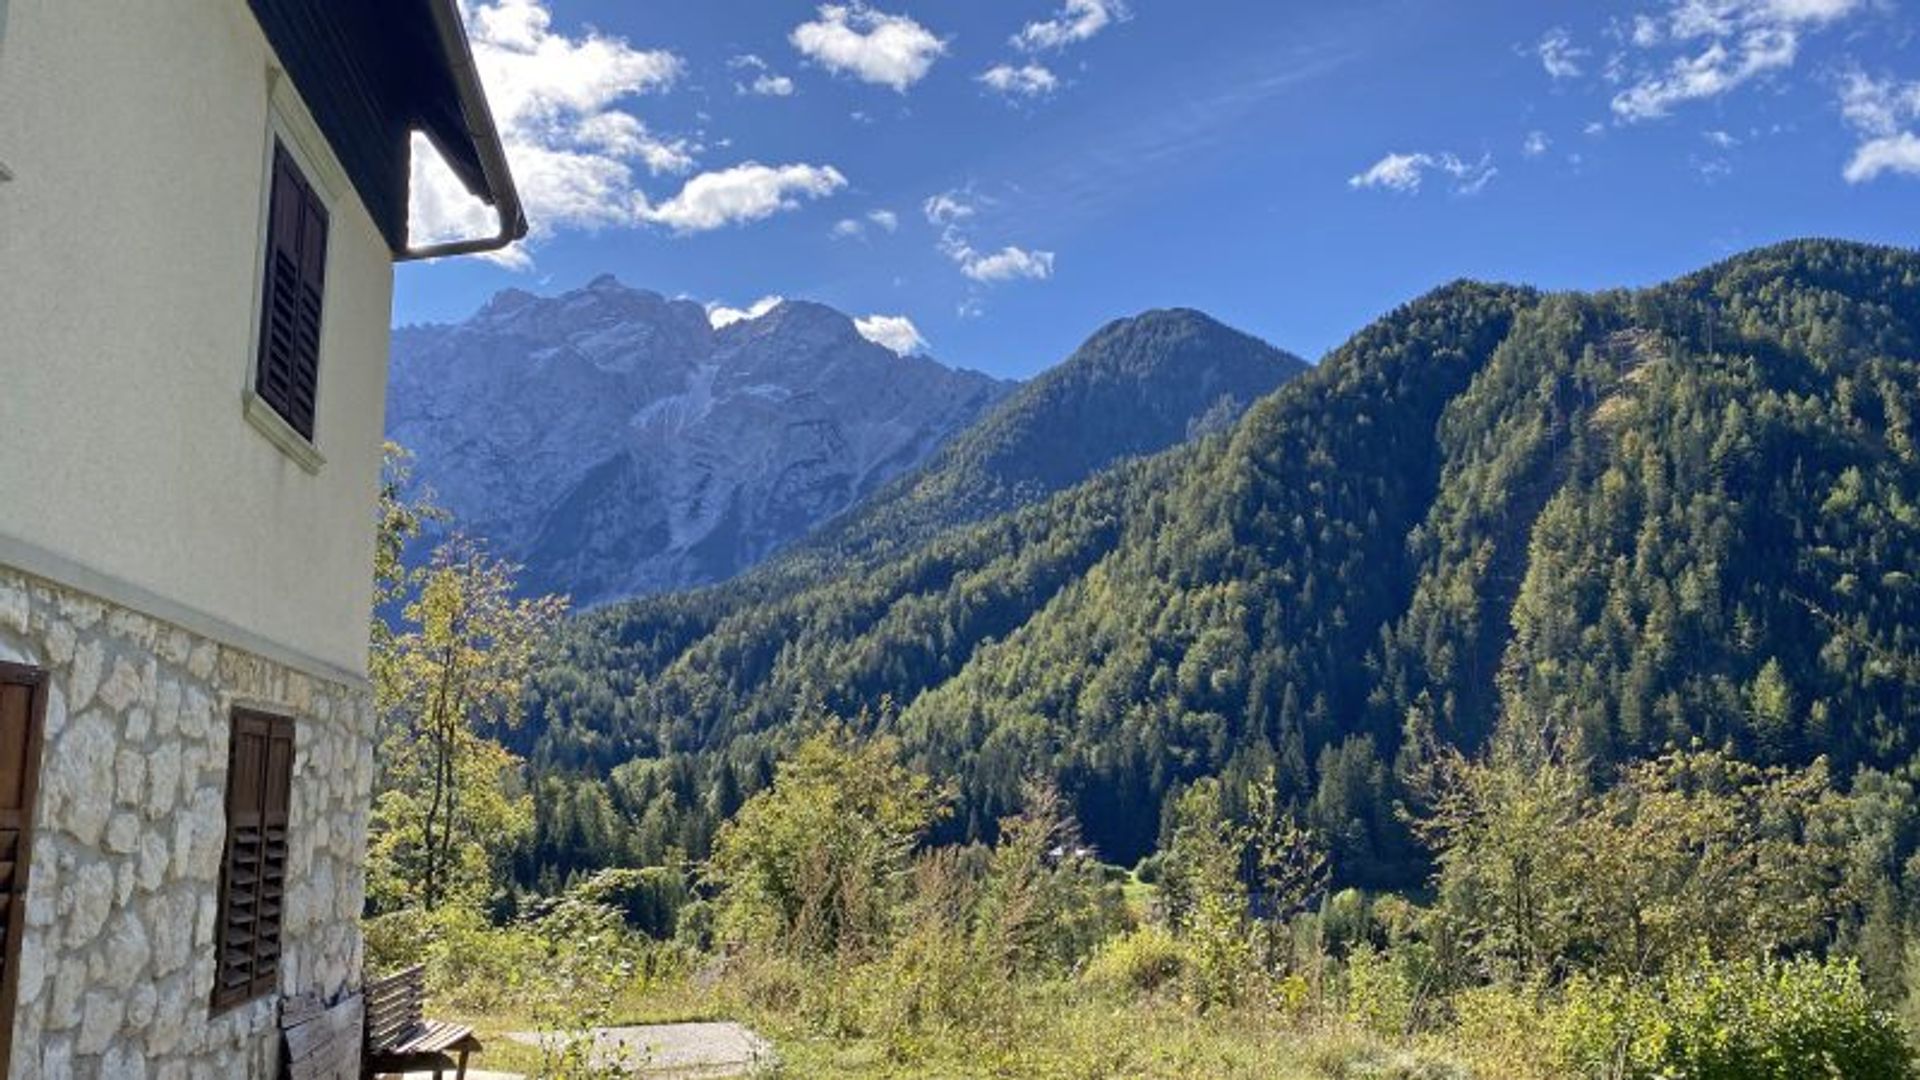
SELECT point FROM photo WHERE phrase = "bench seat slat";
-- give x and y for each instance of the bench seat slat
(433, 1036)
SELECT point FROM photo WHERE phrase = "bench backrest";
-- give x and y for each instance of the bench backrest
(394, 1007)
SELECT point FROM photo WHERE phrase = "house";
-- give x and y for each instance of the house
(201, 202)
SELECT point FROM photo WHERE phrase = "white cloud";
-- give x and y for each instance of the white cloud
(1722, 139)
(873, 46)
(765, 81)
(949, 211)
(1535, 144)
(721, 315)
(1881, 111)
(621, 135)
(1077, 21)
(1395, 172)
(1724, 45)
(1878, 106)
(1008, 264)
(1028, 80)
(1888, 154)
(1717, 69)
(896, 332)
(948, 208)
(773, 86)
(1558, 55)
(856, 228)
(557, 102)
(742, 193)
(1405, 173)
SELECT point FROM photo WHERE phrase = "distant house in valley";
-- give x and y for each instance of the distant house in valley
(201, 202)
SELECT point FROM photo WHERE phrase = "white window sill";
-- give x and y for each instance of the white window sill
(281, 434)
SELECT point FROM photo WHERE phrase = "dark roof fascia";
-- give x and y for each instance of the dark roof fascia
(373, 72)
(500, 191)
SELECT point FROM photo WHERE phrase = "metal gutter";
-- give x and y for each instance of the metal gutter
(493, 156)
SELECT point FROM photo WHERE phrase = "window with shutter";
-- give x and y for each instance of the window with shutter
(287, 377)
(22, 711)
(253, 881)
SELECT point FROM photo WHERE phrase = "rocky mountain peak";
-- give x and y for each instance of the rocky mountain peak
(615, 443)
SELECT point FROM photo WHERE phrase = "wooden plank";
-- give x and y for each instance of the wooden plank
(326, 1045)
(23, 705)
(299, 1009)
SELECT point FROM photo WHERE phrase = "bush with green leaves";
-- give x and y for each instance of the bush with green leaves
(816, 864)
(1140, 963)
(1740, 1020)
(1752, 1019)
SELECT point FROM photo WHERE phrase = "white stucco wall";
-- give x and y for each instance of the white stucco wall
(129, 263)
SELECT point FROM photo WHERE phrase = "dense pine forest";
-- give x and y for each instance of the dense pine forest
(1647, 517)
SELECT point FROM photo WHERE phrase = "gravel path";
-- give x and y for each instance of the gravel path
(677, 1051)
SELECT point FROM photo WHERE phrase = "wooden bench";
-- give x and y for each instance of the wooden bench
(400, 1040)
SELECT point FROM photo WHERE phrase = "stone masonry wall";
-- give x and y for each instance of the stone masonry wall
(117, 962)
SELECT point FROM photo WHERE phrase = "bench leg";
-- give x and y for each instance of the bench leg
(461, 1072)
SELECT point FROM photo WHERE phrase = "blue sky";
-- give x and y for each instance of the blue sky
(1002, 176)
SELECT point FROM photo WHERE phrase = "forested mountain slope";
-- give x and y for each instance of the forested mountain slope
(1137, 386)
(1687, 512)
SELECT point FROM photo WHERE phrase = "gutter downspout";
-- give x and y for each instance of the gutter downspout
(493, 157)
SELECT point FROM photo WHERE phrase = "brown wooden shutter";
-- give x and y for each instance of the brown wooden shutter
(253, 881)
(22, 712)
(288, 376)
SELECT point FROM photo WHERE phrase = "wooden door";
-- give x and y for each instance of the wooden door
(23, 703)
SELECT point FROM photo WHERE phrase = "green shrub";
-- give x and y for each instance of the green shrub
(399, 939)
(471, 965)
(1746, 1020)
(1141, 963)
(1382, 991)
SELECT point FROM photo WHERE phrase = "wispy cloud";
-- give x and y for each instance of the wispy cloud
(1719, 46)
(856, 228)
(875, 47)
(1535, 144)
(949, 212)
(948, 207)
(1558, 54)
(1405, 173)
(1077, 21)
(759, 79)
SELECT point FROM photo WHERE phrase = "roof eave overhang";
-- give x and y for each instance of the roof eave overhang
(500, 191)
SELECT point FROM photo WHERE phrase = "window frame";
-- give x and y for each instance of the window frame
(272, 727)
(290, 127)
